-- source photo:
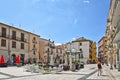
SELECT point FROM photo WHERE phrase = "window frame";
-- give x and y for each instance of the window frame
(3, 43)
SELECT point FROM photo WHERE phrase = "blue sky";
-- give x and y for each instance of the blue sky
(60, 20)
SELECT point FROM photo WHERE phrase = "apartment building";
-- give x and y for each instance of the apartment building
(94, 58)
(114, 22)
(34, 47)
(60, 54)
(111, 31)
(102, 49)
(47, 51)
(14, 42)
(82, 47)
(17, 42)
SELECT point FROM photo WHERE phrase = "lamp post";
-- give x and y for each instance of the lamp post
(69, 56)
(78, 52)
(80, 55)
(70, 51)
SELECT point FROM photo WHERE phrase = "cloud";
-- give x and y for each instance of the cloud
(73, 39)
(75, 21)
(86, 1)
(58, 44)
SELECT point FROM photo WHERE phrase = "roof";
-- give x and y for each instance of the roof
(18, 29)
(81, 39)
(101, 39)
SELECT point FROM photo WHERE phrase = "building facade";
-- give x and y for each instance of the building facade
(83, 50)
(114, 16)
(111, 31)
(34, 48)
(94, 58)
(17, 42)
(102, 49)
(14, 42)
(47, 51)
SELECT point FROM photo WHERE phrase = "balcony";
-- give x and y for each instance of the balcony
(17, 38)
(34, 41)
(5, 36)
(52, 46)
(24, 40)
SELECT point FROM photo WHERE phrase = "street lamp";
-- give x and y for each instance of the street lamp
(78, 52)
(70, 52)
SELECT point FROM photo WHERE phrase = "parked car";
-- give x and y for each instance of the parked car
(81, 64)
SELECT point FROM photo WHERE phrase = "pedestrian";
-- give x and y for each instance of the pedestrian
(99, 64)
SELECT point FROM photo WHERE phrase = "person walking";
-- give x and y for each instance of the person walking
(99, 64)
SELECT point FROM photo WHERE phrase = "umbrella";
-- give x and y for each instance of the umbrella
(2, 60)
(18, 60)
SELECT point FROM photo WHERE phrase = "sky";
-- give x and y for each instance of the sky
(59, 20)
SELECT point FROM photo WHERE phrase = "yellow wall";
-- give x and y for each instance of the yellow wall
(93, 51)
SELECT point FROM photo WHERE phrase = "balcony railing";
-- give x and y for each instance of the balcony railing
(17, 38)
(34, 41)
(5, 36)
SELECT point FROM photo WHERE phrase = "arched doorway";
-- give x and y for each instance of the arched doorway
(22, 58)
(13, 59)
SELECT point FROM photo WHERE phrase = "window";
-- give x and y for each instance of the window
(34, 40)
(48, 49)
(80, 44)
(3, 32)
(81, 55)
(22, 36)
(34, 52)
(34, 48)
(13, 34)
(22, 45)
(13, 44)
(3, 43)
